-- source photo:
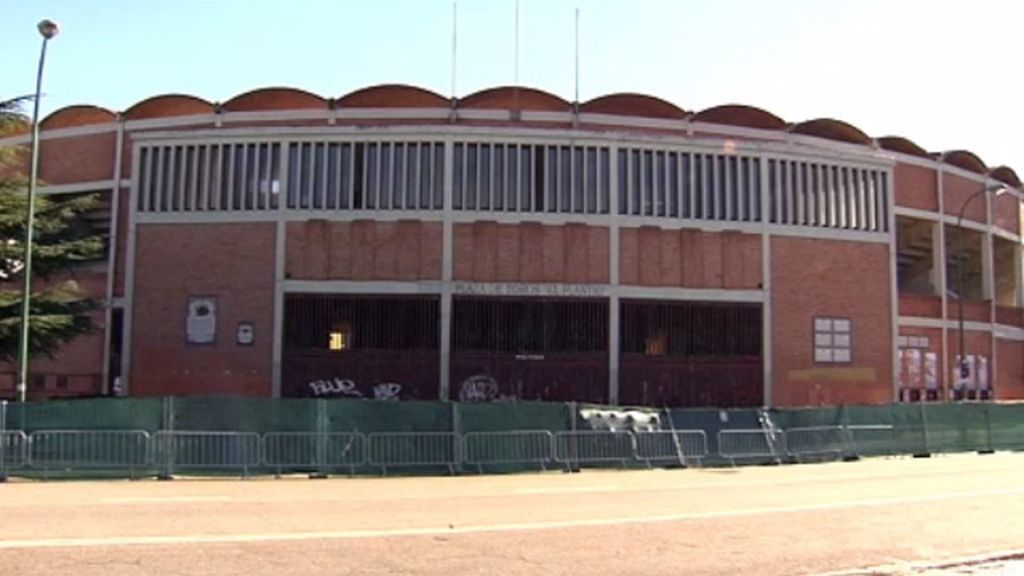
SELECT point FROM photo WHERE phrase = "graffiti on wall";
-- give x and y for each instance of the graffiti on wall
(387, 391)
(482, 388)
(346, 388)
(478, 388)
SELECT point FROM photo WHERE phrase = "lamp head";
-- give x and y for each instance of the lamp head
(48, 28)
(998, 189)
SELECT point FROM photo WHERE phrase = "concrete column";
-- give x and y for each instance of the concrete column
(613, 349)
(447, 254)
(766, 286)
(613, 276)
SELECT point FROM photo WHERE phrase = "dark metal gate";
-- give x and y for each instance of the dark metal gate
(691, 354)
(529, 349)
(381, 347)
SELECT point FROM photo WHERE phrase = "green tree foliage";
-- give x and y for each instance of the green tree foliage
(60, 310)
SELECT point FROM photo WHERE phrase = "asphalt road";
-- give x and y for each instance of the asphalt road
(808, 519)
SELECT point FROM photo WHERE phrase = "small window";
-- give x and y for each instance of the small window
(340, 337)
(833, 340)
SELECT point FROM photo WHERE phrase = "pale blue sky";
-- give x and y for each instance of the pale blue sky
(942, 73)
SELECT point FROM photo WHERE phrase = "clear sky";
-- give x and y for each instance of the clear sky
(941, 73)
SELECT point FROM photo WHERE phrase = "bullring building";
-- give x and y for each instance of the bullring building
(510, 245)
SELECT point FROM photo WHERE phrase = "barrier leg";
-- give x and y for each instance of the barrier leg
(3, 440)
(989, 448)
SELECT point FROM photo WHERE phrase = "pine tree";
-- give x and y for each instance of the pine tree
(60, 310)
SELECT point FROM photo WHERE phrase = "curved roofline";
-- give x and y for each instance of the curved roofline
(77, 115)
(354, 98)
(964, 159)
(832, 129)
(630, 104)
(149, 107)
(1006, 175)
(740, 115)
(479, 98)
(271, 92)
(634, 104)
(902, 145)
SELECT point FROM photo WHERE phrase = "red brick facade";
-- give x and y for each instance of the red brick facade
(248, 259)
(857, 289)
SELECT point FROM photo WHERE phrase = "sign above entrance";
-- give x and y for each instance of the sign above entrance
(519, 289)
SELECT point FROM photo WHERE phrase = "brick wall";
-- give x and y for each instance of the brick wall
(915, 187)
(651, 256)
(830, 278)
(363, 250)
(957, 190)
(232, 262)
(77, 158)
(530, 252)
(1009, 383)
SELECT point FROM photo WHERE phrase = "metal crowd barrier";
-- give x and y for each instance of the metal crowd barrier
(816, 442)
(313, 451)
(752, 443)
(872, 439)
(672, 445)
(595, 447)
(415, 449)
(513, 447)
(170, 451)
(205, 450)
(89, 450)
(13, 451)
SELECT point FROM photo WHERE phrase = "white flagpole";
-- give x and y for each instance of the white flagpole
(515, 68)
(455, 23)
(576, 95)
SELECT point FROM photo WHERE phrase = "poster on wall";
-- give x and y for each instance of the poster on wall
(931, 370)
(201, 325)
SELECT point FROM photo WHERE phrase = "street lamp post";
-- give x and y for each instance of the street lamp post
(47, 29)
(962, 368)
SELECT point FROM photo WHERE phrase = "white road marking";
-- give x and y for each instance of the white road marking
(162, 499)
(485, 528)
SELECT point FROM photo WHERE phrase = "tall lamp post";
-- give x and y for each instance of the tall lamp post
(962, 367)
(47, 29)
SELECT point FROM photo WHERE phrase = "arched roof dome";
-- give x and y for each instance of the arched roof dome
(78, 115)
(509, 97)
(902, 145)
(167, 105)
(1006, 175)
(965, 159)
(630, 104)
(740, 115)
(392, 96)
(832, 129)
(274, 99)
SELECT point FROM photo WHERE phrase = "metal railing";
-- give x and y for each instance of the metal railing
(682, 446)
(89, 450)
(817, 442)
(313, 451)
(167, 452)
(535, 447)
(177, 450)
(577, 448)
(871, 439)
(752, 443)
(415, 449)
(13, 451)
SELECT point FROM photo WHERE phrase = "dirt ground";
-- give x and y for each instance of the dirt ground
(810, 519)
